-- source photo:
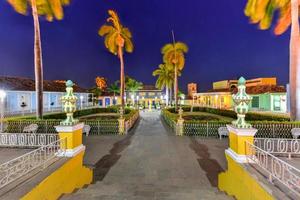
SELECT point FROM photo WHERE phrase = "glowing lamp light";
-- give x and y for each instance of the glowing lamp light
(2, 95)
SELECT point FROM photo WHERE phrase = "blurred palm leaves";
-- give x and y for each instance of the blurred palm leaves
(50, 9)
(174, 54)
(116, 34)
(262, 12)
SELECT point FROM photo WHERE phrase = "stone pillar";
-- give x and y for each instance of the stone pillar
(121, 121)
(180, 123)
(238, 138)
(73, 138)
(121, 126)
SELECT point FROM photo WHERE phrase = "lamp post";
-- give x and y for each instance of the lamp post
(2, 97)
(81, 98)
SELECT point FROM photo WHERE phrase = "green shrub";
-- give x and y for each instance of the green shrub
(230, 113)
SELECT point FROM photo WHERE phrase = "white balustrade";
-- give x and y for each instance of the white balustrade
(23, 165)
(279, 145)
(26, 139)
(275, 168)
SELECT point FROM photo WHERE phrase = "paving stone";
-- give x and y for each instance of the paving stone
(155, 164)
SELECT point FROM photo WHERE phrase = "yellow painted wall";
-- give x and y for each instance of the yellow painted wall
(220, 84)
(237, 143)
(74, 139)
(237, 182)
(64, 180)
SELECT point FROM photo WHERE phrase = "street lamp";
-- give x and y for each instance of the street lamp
(81, 98)
(2, 97)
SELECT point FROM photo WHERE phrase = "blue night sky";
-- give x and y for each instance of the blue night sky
(222, 43)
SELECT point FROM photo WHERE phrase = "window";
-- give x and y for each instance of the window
(255, 102)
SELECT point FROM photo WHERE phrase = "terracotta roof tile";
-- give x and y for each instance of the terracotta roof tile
(26, 84)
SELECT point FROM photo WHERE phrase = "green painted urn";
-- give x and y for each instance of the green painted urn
(69, 105)
(241, 100)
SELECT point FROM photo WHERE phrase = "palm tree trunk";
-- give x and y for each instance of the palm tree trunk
(167, 96)
(171, 95)
(122, 83)
(38, 64)
(175, 87)
(294, 63)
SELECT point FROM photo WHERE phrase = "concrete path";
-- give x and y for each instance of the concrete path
(152, 163)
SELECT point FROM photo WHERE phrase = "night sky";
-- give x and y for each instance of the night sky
(222, 43)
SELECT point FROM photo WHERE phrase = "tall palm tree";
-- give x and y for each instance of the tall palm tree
(117, 37)
(114, 88)
(165, 79)
(51, 10)
(173, 53)
(262, 12)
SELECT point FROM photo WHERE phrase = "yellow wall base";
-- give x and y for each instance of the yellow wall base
(237, 182)
(64, 180)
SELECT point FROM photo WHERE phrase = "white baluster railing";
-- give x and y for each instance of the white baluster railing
(26, 139)
(23, 165)
(275, 168)
(279, 145)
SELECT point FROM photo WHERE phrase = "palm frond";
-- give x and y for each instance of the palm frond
(20, 6)
(105, 29)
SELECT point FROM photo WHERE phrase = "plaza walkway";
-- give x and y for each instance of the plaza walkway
(151, 163)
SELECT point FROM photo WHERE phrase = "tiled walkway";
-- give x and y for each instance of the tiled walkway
(152, 163)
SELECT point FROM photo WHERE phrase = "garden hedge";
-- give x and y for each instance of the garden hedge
(251, 116)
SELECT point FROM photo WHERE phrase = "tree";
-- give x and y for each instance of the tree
(165, 79)
(173, 54)
(50, 10)
(262, 12)
(114, 88)
(101, 83)
(132, 85)
(117, 37)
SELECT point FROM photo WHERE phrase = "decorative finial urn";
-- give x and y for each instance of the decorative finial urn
(69, 105)
(241, 100)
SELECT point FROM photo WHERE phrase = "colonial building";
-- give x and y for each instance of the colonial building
(148, 96)
(20, 95)
(266, 95)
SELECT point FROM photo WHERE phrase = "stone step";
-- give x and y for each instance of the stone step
(100, 190)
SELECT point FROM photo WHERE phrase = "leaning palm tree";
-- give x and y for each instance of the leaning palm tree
(173, 53)
(50, 10)
(117, 37)
(262, 12)
(165, 79)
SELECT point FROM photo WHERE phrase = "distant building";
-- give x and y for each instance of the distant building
(20, 98)
(192, 89)
(266, 95)
(232, 84)
(148, 95)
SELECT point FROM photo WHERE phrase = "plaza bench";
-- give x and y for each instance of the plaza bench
(295, 132)
(223, 131)
(86, 129)
(32, 128)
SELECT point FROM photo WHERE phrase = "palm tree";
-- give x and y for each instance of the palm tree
(132, 85)
(173, 53)
(50, 10)
(262, 12)
(117, 37)
(114, 88)
(165, 79)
